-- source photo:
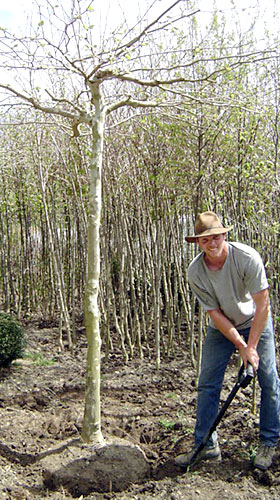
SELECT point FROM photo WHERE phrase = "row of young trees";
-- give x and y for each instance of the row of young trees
(159, 171)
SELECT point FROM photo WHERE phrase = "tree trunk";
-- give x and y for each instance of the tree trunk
(91, 431)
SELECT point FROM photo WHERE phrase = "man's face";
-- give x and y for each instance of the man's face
(212, 246)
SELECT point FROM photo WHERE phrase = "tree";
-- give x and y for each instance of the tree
(148, 66)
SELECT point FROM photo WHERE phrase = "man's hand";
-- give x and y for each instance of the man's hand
(250, 355)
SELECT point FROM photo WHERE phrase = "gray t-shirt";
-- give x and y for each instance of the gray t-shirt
(231, 288)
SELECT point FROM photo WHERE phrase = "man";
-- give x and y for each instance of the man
(229, 280)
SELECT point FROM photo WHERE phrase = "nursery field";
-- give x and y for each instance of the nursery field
(41, 411)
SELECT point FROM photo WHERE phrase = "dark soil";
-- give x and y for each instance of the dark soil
(41, 411)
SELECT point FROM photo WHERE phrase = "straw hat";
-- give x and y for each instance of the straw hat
(207, 224)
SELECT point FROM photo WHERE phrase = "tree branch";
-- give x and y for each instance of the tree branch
(134, 103)
(46, 109)
(121, 50)
(146, 29)
(245, 59)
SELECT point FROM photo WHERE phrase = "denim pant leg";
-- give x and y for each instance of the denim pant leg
(269, 383)
(217, 350)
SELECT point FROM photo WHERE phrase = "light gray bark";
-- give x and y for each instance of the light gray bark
(91, 431)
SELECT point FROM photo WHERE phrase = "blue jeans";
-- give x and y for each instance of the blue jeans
(216, 353)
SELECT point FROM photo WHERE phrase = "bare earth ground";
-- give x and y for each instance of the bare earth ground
(41, 409)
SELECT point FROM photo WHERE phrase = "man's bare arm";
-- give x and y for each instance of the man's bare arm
(224, 325)
(261, 300)
(248, 351)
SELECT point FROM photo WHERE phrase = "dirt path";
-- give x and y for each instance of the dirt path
(41, 408)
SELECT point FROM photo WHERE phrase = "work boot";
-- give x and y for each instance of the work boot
(264, 456)
(207, 453)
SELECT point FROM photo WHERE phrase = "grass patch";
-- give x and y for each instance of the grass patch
(38, 359)
(167, 424)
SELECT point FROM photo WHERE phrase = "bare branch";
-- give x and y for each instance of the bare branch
(135, 103)
(62, 101)
(156, 82)
(120, 51)
(146, 29)
(37, 105)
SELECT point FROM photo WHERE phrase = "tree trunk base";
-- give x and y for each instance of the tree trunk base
(84, 469)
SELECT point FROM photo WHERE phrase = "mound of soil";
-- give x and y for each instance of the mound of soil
(41, 411)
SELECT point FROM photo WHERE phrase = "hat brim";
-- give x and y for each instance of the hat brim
(208, 232)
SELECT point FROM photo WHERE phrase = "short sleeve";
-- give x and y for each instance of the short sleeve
(255, 275)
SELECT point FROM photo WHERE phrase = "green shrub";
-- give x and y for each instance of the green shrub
(12, 341)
